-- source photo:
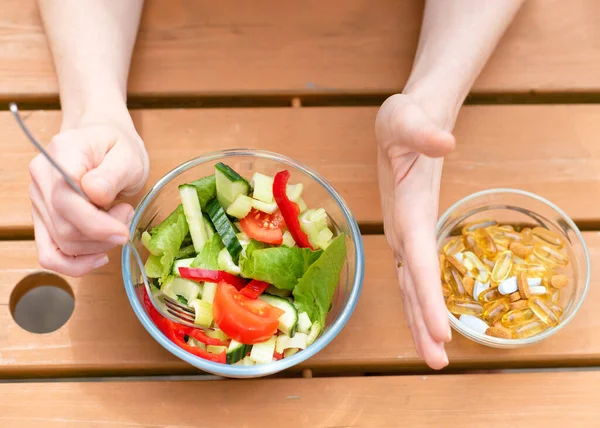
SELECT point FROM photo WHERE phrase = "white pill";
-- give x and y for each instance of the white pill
(534, 282)
(479, 288)
(459, 256)
(537, 290)
(508, 286)
(474, 323)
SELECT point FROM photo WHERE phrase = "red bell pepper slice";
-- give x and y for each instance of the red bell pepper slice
(277, 356)
(176, 332)
(254, 289)
(289, 210)
(216, 276)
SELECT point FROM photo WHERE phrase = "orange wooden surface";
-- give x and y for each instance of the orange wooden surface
(103, 335)
(549, 400)
(191, 47)
(549, 150)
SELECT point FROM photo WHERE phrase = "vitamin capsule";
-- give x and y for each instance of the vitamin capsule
(468, 241)
(523, 286)
(479, 288)
(518, 260)
(452, 278)
(529, 329)
(485, 243)
(454, 246)
(513, 297)
(508, 286)
(547, 236)
(519, 304)
(527, 236)
(517, 317)
(471, 227)
(489, 295)
(468, 284)
(474, 323)
(559, 281)
(446, 290)
(553, 295)
(506, 227)
(488, 263)
(495, 310)
(532, 270)
(549, 255)
(472, 262)
(520, 250)
(502, 333)
(538, 290)
(543, 311)
(457, 265)
(460, 306)
(556, 308)
(442, 265)
(502, 267)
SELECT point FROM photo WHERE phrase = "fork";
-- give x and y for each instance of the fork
(173, 309)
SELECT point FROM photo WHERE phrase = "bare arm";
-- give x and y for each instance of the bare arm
(413, 132)
(91, 43)
(98, 146)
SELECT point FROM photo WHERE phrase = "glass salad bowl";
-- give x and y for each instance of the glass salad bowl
(163, 199)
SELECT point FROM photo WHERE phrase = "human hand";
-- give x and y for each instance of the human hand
(411, 142)
(107, 159)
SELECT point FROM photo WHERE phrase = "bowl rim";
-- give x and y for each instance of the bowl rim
(263, 369)
(508, 343)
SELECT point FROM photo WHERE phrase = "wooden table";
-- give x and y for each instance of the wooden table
(306, 79)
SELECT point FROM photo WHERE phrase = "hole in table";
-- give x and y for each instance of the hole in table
(42, 302)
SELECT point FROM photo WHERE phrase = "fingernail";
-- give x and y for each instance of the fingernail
(117, 239)
(449, 337)
(101, 261)
(446, 362)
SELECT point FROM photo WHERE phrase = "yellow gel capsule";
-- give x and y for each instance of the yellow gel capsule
(485, 242)
(549, 255)
(454, 246)
(468, 241)
(488, 263)
(495, 310)
(543, 311)
(532, 270)
(472, 227)
(452, 278)
(446, 290)
(489, 295)
(502, 267)
(556, 308)
(529, 329)
(506, 228)
(527, 235)
(472, 263)
(464, 307)
(547, 236)
(517, 317)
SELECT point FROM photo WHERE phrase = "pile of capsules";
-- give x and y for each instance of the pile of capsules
(504, 281)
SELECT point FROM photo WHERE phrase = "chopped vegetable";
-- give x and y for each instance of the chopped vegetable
(289, 209)
(263, 227)
(254, 289)
(197, 274)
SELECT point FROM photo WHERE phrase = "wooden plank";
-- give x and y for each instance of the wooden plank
(104, 336)
(568, 399)
(194, 48)
(549, 150)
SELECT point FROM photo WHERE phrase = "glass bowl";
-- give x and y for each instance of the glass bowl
(517, 207)
(163, 198)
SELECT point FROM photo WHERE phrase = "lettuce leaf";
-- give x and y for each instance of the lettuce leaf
(165, 242)
(315, 290)
(208, 258)
(280, 266)
(206, 188)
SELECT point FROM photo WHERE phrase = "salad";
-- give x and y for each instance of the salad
(258, 267)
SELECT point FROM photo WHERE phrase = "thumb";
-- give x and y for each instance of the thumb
(118, 173)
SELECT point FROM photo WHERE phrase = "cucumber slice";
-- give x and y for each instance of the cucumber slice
(216, 349)
(315, 329)
(268, 208)
(284, 342)
(288, 239)
(217, 334)
(313, 222)
(304, 323)
(226, 262)
(167, 288)
(203, 309)
(181, 263)
(289, 352)
(236, 352)
(208, 294)
(208, 226)
(189, 290)
(262, 353)
(146, 237)
(288, 322)
(185, 252)
(196, 343)
(294, 191)
(324, 239)
(229, 185)
(240, 207)
(193, 215)
(224, 229)
(302, 205)
(262, 186)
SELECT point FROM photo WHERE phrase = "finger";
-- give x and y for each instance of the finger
(407, 303)
(120, 172)
(431, 350)
(94, 223)
(122, 212)
(52, 258)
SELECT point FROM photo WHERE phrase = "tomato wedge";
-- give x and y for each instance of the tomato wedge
(243, 319)
(264, 227)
